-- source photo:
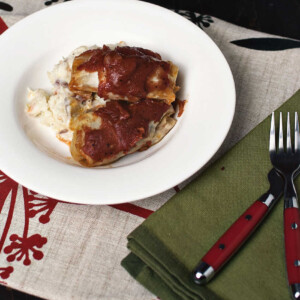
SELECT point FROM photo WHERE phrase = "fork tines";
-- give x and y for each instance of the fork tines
(289, 148)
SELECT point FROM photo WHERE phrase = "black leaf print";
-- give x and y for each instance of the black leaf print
(49, 2)
(196, 18)
(5, 6)
(267, 44)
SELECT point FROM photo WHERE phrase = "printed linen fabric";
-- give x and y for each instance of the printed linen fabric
(63, 251)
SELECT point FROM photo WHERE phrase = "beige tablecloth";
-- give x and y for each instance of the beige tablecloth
(63, 251)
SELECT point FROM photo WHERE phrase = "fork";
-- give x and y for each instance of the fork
(287, 163)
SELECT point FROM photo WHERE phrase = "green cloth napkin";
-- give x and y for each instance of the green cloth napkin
(168, 245)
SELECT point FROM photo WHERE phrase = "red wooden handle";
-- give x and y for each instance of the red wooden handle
(234, 237)
(292, 243)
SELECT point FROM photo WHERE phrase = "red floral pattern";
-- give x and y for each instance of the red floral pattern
(23, 248)
(5, 272)
(24, 245)
(37, 204)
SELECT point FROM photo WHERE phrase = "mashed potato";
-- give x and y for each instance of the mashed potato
(53, 109)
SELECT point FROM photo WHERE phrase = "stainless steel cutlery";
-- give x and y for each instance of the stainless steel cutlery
(286, 162)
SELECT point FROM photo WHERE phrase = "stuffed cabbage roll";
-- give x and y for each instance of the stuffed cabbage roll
(119, 128)
(124, 73)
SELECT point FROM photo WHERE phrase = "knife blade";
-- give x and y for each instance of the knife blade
(230, 242)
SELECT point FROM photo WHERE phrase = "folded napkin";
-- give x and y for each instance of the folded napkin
(169, 244)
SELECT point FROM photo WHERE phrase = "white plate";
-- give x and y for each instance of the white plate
(29, 152)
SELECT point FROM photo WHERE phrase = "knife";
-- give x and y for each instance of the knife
(239, 231)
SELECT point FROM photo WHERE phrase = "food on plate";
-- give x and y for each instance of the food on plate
(108, 102)
(124, 73)
(119, 128)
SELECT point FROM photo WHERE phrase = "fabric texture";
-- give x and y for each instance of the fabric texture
(170, 243)
(64, 251)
